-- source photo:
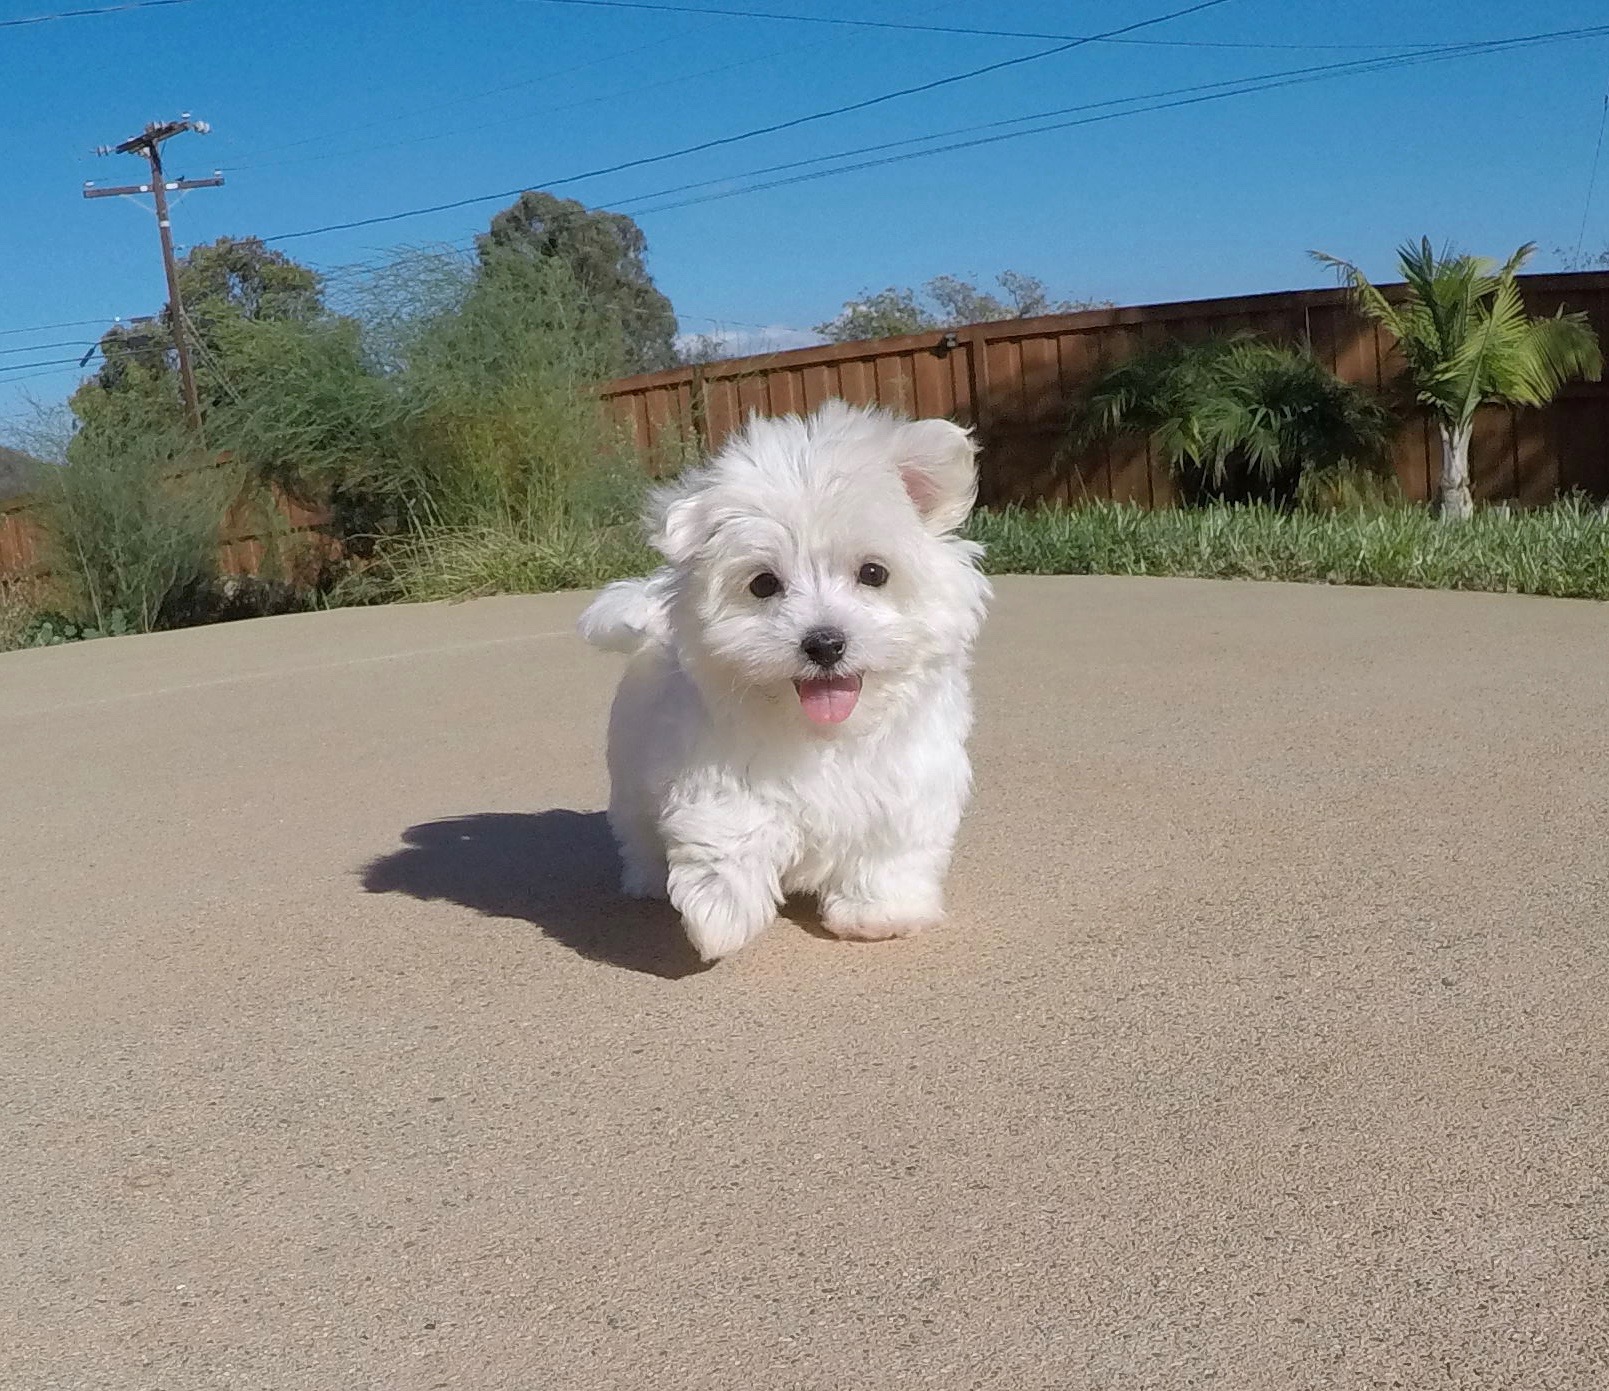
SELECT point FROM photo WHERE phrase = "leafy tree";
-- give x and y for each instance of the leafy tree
(1235, 417)
(245, 279)
(1463, 328)
(18, 472)
(605, 253)
(1583, 260)
(702, 349)
(888, 313)
(946, 301)
(223, 284)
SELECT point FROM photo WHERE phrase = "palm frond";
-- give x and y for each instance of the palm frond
(1374, 304)
(1554, 350)
(1521, 255)
(1490, 350)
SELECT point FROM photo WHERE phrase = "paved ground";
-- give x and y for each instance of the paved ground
(1266, 1047)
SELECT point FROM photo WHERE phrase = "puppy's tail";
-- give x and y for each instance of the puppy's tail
(628, 615)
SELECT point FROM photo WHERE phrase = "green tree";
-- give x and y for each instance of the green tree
(223, 284)
(242, 278)
(606, 254)
(1579, 260)
(946, 301)
(1463, 329)
(18, 473)
(889, 313)
(1235, 417)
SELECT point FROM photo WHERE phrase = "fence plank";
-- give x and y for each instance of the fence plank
(1491, 455)
(894, 384)
(787, 392)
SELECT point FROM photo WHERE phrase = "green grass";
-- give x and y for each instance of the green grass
(1561, 550)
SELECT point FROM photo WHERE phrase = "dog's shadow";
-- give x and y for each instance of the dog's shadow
(556, 870)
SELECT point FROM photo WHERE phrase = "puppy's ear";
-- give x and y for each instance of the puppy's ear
(937, 464)
(676, 526)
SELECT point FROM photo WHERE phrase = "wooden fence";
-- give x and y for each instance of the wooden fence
(1016, 382)
(19, 540)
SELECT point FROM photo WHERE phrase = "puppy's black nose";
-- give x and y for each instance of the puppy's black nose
(824, 646)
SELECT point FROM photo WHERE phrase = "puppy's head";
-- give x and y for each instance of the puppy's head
(817, 564)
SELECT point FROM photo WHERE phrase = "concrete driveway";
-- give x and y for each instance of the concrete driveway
(1266, 1047)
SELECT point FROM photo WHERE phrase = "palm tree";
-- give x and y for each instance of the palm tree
(1235, 417)
(1468, 340)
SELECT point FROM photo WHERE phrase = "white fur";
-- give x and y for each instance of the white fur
(725, 797)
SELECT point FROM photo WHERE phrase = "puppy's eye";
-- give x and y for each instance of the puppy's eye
(765, 585)
(873, 574)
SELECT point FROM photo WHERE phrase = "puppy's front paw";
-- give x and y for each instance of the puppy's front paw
(878, 922)
(717, 916)
(644, 880)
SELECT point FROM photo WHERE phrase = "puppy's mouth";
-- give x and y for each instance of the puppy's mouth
(828, 699)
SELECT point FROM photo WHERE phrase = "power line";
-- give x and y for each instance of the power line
(454, 101)
(1345, 68)
(1240, 87)
(126, 350)
(99, 9)
(962, 30)
(1252, 85)
(29, 376)
(41, 347)
(1592, 179)
(772, 129)
(43, 362)
(1243, 86)
(739, 323)
(71, 323)
(449, 133)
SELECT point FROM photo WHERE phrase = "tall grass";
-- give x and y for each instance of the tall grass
(298, 406)
(471, 562)
(131, 518)
(505, 427)
(1561, 550)
(21, 601)
(452, 419)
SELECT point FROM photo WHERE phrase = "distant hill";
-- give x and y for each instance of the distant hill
(18, 473)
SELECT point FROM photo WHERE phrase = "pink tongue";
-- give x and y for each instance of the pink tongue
(829, 699)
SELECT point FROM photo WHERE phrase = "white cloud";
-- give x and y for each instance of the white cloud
(749, 340)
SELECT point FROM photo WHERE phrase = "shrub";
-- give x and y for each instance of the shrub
(54, 630)
(504, 426)
(1349, 488)
(455, 404)
(129, 519)
(1236, 418)
(502, 459)
(21, 601)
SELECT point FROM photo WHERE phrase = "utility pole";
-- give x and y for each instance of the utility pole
(149, 144)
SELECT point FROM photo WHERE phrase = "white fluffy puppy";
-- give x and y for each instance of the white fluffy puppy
(795, 714)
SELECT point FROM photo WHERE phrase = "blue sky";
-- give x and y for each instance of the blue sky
(332, 110)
